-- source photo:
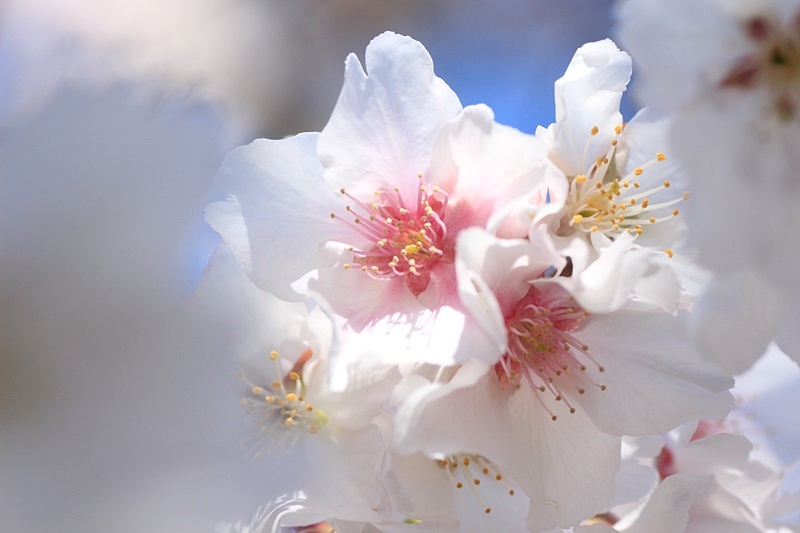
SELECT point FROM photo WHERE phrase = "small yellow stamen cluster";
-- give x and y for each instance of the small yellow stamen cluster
(470, 471)
(282, 404)
(602, 200)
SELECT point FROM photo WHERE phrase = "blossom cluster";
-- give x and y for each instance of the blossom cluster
(452, 325)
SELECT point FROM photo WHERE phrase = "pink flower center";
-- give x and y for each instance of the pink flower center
(543, 352)
(404, 240)
(774, 63)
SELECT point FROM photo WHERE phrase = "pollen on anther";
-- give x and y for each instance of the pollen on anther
(666, 184)
(595, 130)
(660, 156)
(294, 376)
(652, 220)
(638, 171)
(577, 219)
(618, 129)
(277, 384)
(581, 178)
(669, 252)
(273, 355)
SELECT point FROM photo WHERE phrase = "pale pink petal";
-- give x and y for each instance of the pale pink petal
(382, 129)
(488, 166)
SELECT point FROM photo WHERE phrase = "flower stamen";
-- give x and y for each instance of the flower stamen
(544, 353)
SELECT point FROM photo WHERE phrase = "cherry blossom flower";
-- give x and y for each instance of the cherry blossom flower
(321, 435)
(370, 208)
(617, 181)
(710, 482)
(564, 383)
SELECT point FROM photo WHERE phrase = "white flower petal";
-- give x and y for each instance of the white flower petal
(566, 466)
(588, 95)
(654, 379)
(277, 218)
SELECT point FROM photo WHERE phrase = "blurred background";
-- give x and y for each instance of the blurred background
(118, 404)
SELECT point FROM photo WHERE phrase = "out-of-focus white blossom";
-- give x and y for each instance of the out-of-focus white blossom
(729, 75)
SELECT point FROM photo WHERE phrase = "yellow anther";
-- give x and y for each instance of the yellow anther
(258, 391)
(618, 129)
(273, 355)
(638, 171)
(594, 228)
(294, 376)
(669, 252)
(276, 384)
(577, 219)
(291, 397)
(675, 212)
(411, 249)
(666, 184)
(652, 220)
(363, 269)
(581, 178)
(595, 130)
(346, 266)
(660, 156)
